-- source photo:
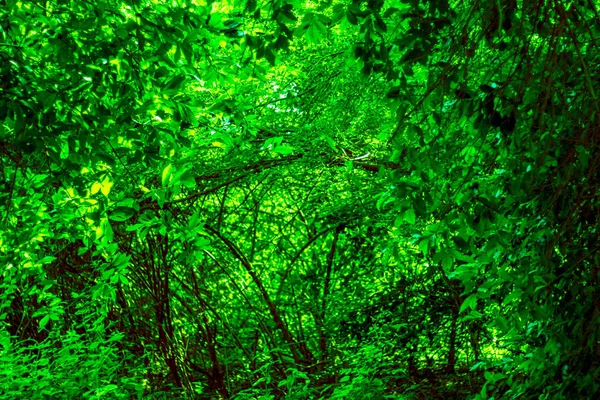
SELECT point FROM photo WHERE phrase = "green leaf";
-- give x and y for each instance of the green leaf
(166, 175)
(283, 149)
(394, 92)
(121, 214)
(174, 84)
(122, 33)
(514, 295)
(315, 32)
(188, 180)
(474, 314)
(43, 322)
(270, 55)
(447, 263)
(47, 260)
(351, 17)
(420, 205)
(105, 233)
(409, 216)
(424, 246)
(250, 6)
(105, 187)
(493, 377)
(502, 323)
(469, 302)
(379, 24)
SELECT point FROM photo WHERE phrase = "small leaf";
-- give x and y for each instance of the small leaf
(424, 246)
(409, 216)
(175, 82)
(381, 26)
(469, 302)
(351, 18)
(106, 185)
(390, 11)
(284, 150)
(270, 55)
(447, 262)
(473, 315)
(96, 187)
(105, 232)
(47, 259)
(398, 221)
(493, 377)
(394, 92)
(43, 361)
(250, 6)
(315, 32)
(43, 322)
(166, 175)
(122, 33)
(502, 323)
(420, 205)
(187, 179)
(121, 214)
(515, 294)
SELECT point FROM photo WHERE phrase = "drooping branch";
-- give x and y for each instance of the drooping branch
(237, 253)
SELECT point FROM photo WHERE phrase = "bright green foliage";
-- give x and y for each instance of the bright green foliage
(291, 199)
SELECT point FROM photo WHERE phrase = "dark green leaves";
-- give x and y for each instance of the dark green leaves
(313, 27)
(121, 214)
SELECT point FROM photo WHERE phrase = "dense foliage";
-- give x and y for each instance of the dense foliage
(348, 199)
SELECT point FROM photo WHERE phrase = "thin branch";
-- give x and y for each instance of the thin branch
(10, 45)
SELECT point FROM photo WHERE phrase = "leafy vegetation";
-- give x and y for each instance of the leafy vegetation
(293, 199)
